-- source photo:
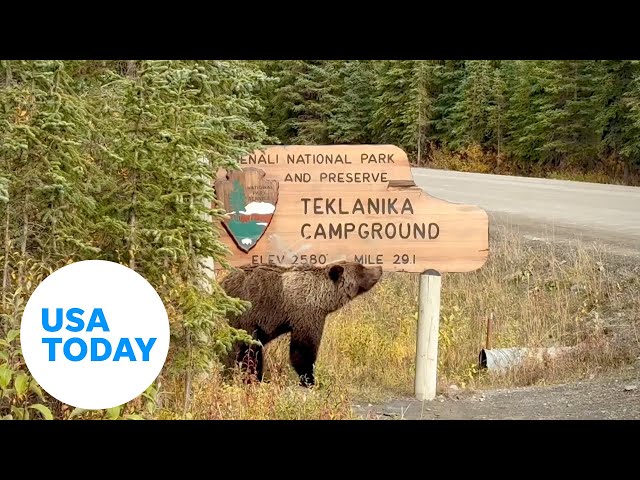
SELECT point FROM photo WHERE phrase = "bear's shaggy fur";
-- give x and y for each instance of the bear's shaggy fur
(295, 299)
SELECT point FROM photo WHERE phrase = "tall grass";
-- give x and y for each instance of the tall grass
(541, 294)
(280, 398)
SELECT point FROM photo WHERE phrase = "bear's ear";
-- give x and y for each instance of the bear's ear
(335, 272)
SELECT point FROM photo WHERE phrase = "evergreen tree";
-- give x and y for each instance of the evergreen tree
(394, 109)
(299, 101)
(426, 88)
(45, 129)
(498, 108)
(530, 114)
(631, 149)
(350, 116)
(173, 116)
(116, 160)
(617, 115)
(523, 140)
(404, 106)
(566, 119)
(46, 203)
(471, 111)
(449, 78)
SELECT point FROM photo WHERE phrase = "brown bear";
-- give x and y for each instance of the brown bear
(295, 299)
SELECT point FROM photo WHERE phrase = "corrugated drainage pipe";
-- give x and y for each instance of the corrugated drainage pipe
(504, 358)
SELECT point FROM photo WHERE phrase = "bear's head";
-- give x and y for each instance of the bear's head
(351, 279)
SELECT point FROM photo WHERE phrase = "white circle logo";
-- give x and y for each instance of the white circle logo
(95, 334)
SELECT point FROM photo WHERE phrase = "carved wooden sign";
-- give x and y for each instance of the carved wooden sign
(321, 204)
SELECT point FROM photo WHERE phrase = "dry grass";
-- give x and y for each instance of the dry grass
(474, 159)
(542, 294)
(278, 399)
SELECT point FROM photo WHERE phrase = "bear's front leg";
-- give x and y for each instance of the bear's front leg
(303, 352)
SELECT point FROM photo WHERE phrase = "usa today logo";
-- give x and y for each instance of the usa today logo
(95, 334)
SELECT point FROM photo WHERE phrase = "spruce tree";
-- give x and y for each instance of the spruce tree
(498, 108)
(299, 101)
(350, 114)
(45, 130)
(450, 76)
(470, 112)
(167, 128)
(46, 200)
(631, 149)
(566, 119)
(404, 105)
(618, 112)
(524, 138)
(425, 88)
(395, 109)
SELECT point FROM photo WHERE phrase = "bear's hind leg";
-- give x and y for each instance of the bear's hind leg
(303, 353)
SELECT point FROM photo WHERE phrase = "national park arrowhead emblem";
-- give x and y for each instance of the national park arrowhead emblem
(249, 200)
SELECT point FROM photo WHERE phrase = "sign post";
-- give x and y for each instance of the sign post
(325, 203)
(427, 337)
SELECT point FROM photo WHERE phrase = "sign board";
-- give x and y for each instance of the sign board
(321, 204)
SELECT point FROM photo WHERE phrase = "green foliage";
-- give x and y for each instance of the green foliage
(45, 129)
(618, 119)
(530, 116)
(121, 412)
(116, 160)
(471, 114)
(20, 395)
(353, 102)
(300, 96)
(394, 113)
(561, 122)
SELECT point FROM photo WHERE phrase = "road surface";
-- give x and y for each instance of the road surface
(595, 211)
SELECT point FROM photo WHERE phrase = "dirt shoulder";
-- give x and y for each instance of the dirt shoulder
(615, 397)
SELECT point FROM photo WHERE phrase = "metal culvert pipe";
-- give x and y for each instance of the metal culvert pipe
(505, 358)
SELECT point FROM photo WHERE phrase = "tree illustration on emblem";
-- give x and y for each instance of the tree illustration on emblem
(237, 200)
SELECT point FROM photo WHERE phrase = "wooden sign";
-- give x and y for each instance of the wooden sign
(321, 204)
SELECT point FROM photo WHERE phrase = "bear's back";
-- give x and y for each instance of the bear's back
(279, 295)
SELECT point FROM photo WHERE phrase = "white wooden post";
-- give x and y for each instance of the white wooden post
(427, 338)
